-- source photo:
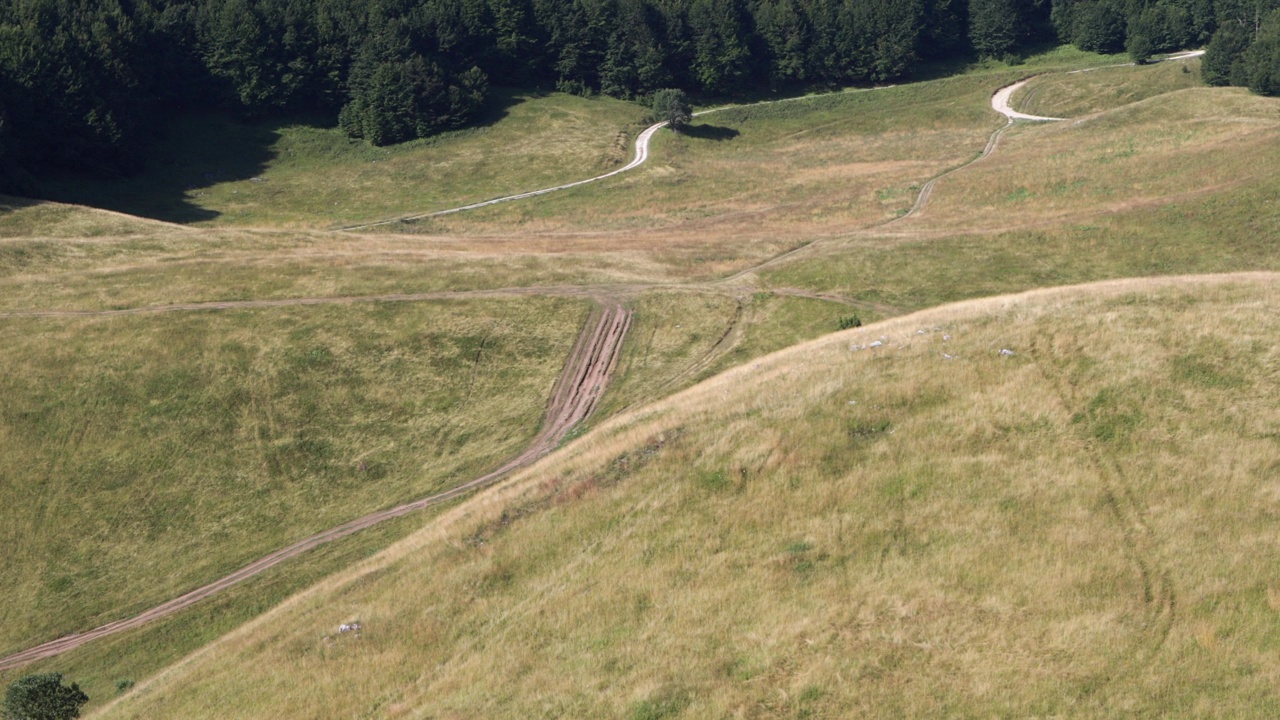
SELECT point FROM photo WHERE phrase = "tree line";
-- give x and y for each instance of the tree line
(83, 81)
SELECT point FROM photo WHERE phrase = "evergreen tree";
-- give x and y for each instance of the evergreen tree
(721, 60)
(1261, 62)
(1224, 54)
(942, 28)
(634, 62)
(1141, 38)
(517, 41)
(784, 33)
(1098, 26)
(994, 27)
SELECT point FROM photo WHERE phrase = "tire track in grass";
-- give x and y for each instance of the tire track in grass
(575, 395)
(1140, 546)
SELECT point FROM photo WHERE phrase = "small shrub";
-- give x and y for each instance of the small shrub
(850, 321)
(713, 480)
(665, 703)
(123, 686)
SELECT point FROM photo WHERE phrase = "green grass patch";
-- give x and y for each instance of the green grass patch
(214, 169)
(1224, 232)
(147, 455)
(1075, 94)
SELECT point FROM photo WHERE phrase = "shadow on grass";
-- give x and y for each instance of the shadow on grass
(197, 151)
(710, 132)
(191, 153)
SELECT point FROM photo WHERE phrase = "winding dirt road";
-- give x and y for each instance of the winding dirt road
(641, 157)
(574, 397)
(999, 102)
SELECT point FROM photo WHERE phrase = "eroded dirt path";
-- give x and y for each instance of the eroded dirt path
(575, 395)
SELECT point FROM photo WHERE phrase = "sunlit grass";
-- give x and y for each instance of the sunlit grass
(1074, 528)
(216, 170)
(1069, 95)
(147, 455)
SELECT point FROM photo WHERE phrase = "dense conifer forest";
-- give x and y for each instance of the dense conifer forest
(84, 82)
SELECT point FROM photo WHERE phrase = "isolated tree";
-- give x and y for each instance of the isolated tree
(42, 697)
(673, 107)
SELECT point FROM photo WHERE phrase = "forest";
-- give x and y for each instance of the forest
(85, 84)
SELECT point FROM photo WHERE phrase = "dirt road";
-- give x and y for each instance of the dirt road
(640, 158)
(1000, 103)
(586, 373)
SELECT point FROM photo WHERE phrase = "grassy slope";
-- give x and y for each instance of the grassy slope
(1069, 95)
(1081, 529)
(906, 268)
(145, 455)
(1186, 143)
(213, 170)
(24, 218)
(1220, 233)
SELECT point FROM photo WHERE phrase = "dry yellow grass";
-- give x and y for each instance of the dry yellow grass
(820, 164)
(217, 170)
(1083, 92)
(1085, 528)
(706, 208)
(147, 455)
(23, 218)
(1186, 144)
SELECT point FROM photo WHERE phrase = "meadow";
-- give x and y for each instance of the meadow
(846, 506)
(931, 527)
(217, 170)
(145, 455)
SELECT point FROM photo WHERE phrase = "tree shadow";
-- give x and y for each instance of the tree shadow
(194, 152)
(189, 154)
(710, 132)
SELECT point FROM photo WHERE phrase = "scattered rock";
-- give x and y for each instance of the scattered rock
(948, 357)
(1006, 352)
(876, 344)
(946, 338)
(354, 627)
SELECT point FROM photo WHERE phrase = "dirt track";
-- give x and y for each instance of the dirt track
(574, 397)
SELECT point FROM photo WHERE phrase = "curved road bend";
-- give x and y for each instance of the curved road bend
(641, 157)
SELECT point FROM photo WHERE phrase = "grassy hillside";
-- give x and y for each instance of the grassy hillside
(926, 528)
(146, 455)
(23, 218)
(1082, 92)
(1184, 144)
(217, 170)
(132, 434)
